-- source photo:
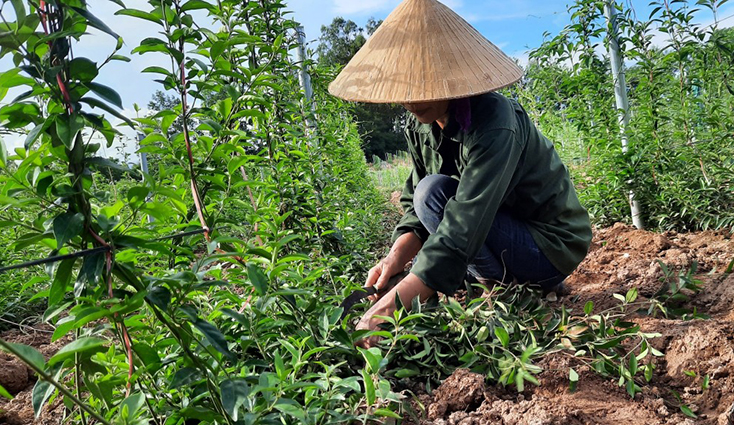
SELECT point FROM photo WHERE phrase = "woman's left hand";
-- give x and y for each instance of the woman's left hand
(409, 288)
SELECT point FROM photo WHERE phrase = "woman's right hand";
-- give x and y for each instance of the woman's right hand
(379, 275)
(403, 250)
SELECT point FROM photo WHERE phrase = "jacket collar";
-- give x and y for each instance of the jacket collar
(452, 131)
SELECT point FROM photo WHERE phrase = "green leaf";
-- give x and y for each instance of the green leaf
(195, 4)
(20, 13)
(132, 403)
(71, 322)
(387, 413)
(687, 411)
(5, 393)
(67, 128)
(28, 354)
(90, 272)
(184, 376)
(160, 297)
(589, 308)
(258, 279)
(633, 365)
(406, 373)
(21, 34)
(573, 379)
(13, 78)
(648, 372)
(140, 14)
(234, 393)
(3, 154)
(369, 387)
(632, 388)
(44, 389)
(96, 103)
(61, 281)
(291, 408)
(35, 133)
(95, 22)
(67, 226)
(631, 295)
(216, 49)
(373, 357)
(105, 93)
(81, 345)
(120, 58)
(157, 70)
(215, 338)
(118, 2)
(503, 336)
(279, 365)
(83, 69)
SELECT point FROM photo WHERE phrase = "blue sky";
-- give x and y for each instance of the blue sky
(515, 26)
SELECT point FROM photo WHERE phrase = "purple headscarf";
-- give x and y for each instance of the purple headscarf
(462, 113)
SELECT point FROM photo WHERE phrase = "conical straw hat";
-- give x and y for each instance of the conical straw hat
(422, 52)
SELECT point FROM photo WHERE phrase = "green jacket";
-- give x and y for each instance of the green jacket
(502, 161)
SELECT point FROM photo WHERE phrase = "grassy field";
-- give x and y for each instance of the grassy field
(390, 175)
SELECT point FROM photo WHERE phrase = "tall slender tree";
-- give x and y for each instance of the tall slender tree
(380, 125)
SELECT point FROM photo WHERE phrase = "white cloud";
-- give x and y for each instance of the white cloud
(522, 57)
(123, 148)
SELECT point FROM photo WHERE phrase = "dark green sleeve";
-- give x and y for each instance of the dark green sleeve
(492, 160)
(410, 222)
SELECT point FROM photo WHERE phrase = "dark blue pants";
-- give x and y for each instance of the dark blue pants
(509, 251)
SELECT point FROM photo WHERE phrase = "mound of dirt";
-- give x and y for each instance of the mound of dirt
(460, 391)
(622, 258)
(19, 380)
(13, 374)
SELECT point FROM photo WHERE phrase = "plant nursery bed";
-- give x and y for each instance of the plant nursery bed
(694, 377)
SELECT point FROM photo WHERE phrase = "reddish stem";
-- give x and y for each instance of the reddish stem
(121, 323)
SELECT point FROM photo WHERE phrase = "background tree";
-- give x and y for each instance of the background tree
(161, 101)
(379, 125)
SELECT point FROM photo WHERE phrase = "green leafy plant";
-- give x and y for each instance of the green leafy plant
(679, 139)
(676, 290)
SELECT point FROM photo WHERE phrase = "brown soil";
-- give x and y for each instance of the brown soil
(622, 258)
(395, 200)
(19, 380)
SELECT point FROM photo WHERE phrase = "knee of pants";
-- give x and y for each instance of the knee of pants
(430, 198)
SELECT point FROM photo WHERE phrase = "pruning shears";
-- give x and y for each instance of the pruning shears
(363, 293)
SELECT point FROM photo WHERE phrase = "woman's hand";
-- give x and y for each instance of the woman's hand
(380, 274)
(403, 250)
(410, 287)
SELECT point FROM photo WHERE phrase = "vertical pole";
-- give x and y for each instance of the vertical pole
(303, 77)
(620, 97)
(143, 155)
(144, 166)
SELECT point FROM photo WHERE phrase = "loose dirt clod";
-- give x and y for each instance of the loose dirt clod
(13, 375)
(459, 391)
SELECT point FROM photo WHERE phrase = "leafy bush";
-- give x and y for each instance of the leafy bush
(679, 163)
(207, 290)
